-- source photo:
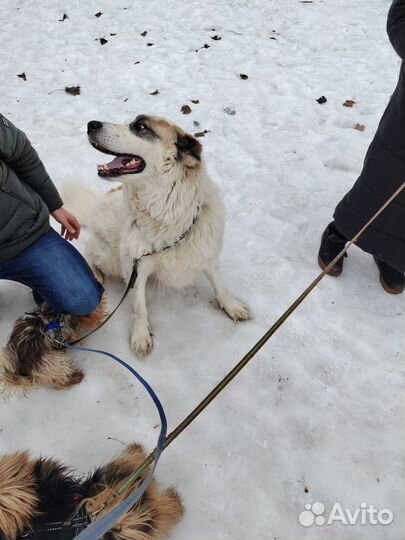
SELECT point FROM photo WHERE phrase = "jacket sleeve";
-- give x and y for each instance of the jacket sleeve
(396, 26)
(16, 151)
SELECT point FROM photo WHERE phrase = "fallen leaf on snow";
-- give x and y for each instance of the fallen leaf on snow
(22, 76)
(349, 103)
(195, 123)
(155, 93)
(243, 76)
(103, 41)
(144, 33)
(63, 18)
(74, 90)
(195, 101)
(322, 100)
(201, 133)
(186, 109)
(216, 38)
(98, 14)
(150, 44)
(359, 127)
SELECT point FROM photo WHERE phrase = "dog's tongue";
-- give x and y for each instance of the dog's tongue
(119, 161)
(120, 165)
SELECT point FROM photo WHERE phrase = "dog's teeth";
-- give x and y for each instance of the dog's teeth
(131, 163)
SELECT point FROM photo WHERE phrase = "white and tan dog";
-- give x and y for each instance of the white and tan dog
(169, 215)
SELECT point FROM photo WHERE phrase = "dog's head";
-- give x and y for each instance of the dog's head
(148, 145)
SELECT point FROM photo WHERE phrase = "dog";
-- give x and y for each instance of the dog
(34, 355)
(168, 215)
(41, 499)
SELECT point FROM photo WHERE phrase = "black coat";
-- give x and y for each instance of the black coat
(383, 171)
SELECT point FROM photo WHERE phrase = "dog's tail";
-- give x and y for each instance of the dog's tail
(79, 200)
(18, 497)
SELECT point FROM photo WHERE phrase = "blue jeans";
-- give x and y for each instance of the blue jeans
(57, 273)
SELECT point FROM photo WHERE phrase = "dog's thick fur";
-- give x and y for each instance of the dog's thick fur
(31, 357)
(172, 198)
(34, 492)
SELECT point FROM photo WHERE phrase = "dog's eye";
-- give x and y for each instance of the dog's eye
(140, 127)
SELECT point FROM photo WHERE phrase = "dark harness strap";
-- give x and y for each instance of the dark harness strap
(58, 530)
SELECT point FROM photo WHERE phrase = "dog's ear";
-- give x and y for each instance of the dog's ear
(189, 150)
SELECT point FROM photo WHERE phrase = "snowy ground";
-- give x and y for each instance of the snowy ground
(319, 414)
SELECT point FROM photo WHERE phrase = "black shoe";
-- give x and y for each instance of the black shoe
(392, 281)
(332, 244)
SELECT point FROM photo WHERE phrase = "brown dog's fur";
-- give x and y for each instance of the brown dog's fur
(31, 489)
(158, 511)
(31, 358)
(18, 500)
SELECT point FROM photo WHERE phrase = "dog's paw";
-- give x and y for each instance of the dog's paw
(234, 308)
(75, 377)
(141, 344)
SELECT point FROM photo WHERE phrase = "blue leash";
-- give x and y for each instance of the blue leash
(98, 528)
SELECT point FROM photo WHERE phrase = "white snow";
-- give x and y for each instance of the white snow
(322, 406)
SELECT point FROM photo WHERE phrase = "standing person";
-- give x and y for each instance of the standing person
(382, 174)
(31, 252)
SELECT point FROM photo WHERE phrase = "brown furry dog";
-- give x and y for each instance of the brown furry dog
(41, 499)
(32, 356)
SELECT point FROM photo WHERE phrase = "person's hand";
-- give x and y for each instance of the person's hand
(70, 226)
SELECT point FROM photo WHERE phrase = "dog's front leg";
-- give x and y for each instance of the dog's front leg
(233, 307)
(141, 339)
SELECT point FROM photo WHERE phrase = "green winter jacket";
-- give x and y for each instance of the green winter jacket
(27, 194)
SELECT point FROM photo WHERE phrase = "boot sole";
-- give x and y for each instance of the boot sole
(386, 287)
(331, 272)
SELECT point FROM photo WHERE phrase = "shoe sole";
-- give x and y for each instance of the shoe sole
(386, 287)
(331, 272)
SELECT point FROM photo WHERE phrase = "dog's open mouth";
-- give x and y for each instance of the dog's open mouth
(122, 164)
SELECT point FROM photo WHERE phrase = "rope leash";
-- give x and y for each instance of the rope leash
(131, 284)
(244, 361)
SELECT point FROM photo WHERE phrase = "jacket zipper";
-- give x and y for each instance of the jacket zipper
(12, 194)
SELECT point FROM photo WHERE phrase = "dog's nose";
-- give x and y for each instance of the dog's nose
(94, 125)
